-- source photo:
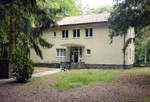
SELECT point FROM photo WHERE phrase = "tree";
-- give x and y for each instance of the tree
(142, 43)
(101, 9)
(131, 13)
(69, 7)
(23, 23)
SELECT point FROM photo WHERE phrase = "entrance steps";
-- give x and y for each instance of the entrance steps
(79, 65)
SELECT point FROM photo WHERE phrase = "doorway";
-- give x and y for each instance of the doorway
(75, 55)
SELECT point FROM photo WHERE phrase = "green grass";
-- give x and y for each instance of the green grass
(64, 80)
(42, 69)
(76, 78)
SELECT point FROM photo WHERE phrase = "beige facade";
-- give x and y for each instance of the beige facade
(90, 50)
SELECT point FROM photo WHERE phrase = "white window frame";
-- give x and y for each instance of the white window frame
(89, 35)
(65, 34)
(87, 52)
(59, 52)
(76, 37)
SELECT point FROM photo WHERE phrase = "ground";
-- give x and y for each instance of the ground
(103, 86)
(42, 69)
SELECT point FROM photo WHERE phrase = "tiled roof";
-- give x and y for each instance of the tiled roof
(84, 19)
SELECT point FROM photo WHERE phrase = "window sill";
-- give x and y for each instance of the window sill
(64, 38)
(88, 37)
(76, 38)
(60, 56)
(88, 55)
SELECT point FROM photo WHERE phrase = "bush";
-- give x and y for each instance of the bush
(23, 67)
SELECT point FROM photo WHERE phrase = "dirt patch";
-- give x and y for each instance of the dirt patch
(129, 88)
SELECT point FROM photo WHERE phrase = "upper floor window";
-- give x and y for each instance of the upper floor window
(54, 34)
(61, 52)
(89, 32)
(76, 33)
(64, 33)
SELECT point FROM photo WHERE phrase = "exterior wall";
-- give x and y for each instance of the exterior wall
(102, 52)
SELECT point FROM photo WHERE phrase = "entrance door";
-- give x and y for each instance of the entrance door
(75, 55)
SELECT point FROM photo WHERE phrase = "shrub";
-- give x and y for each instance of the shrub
(23, 67)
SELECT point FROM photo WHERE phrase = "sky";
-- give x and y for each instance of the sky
(96, 3)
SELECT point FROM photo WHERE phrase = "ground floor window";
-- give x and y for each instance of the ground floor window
(88, 51)
(61, 52)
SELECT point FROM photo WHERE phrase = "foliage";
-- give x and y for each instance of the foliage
(101, 9)
(142, 45)
(68, 7)
(23, 66)
(131, 13)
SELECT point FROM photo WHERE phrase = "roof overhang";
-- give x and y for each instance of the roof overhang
(72, 45)
(83, 23)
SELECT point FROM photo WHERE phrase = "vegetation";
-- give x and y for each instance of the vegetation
(101, 9)
(76, 78)
(22, 26)
(131, 13)
(23, 67)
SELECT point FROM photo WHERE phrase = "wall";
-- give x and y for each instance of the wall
(102, 52)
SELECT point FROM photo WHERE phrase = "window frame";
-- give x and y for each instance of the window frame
(59, 52)
(65, 35)
(88, 32)
(88, 54)
(77, 31)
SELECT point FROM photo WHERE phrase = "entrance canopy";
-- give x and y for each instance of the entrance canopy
(72, 45)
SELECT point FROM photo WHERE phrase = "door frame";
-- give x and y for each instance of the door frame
(73, 50)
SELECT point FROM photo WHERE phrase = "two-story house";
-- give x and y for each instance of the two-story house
(86, 39)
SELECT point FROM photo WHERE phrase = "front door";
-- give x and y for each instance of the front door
(75, 60)
(75, 55)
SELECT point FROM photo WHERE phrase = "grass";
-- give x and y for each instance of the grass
(76, 78)
(70, 79)
(42, 69)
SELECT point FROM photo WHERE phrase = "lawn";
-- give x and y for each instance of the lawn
(42, 69)
(91, 85)
(77, 78)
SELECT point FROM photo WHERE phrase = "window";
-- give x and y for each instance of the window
(89, 32)
(61, 52)
(88, 52)
(76, 33)
(64, 33)
(54, 34)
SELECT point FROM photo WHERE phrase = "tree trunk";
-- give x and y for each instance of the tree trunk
(11, 37)
(124, 52)
(145, 59)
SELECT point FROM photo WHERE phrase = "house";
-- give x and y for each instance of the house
(84, 41)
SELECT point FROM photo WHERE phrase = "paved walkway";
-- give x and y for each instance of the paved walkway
(33, 75)
(46, 73)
